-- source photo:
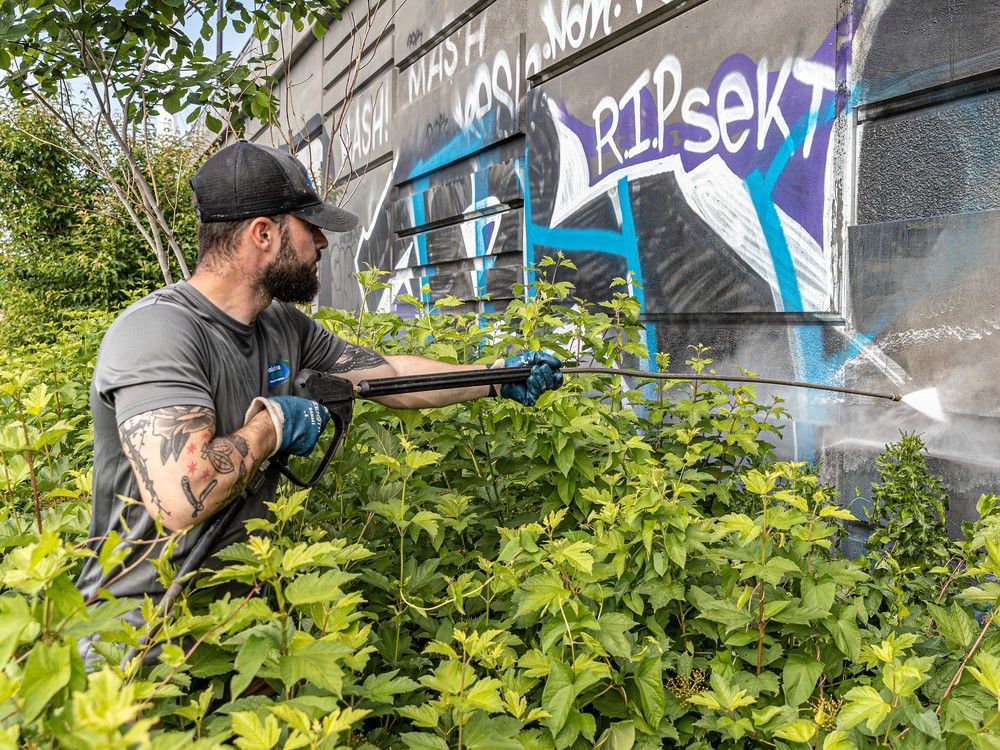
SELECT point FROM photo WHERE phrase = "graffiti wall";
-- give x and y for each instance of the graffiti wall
(809, 187)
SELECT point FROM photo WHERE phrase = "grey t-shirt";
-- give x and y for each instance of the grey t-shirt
(175, 348)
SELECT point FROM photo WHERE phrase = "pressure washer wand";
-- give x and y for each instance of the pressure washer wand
(393, 386)
(925, 401)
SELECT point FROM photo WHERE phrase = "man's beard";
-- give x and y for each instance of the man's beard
(287, 279)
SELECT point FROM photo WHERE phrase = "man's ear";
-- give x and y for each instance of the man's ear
(264, 234)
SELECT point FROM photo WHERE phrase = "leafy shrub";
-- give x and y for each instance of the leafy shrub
(68, 244)
(624, 566)
(909, 505)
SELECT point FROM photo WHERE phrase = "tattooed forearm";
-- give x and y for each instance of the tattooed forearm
(197, 503)
(176, 424)
(228, 455)
(185, 473)
(357, 358)
(131, 433)
(219, 453)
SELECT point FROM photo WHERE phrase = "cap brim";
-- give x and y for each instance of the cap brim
(327, 216)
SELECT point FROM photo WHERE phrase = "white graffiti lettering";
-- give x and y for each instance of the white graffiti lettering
(734, 83)
(460, 51)
(607, 105)
(473, 38)
(769, 112)
(568, 30)
(577, 23)
(492, 85)
(821, 78)
(694, 101)
(632, 96)
(478, 85)
(433, 68)
(672, 66)
(366, 127)
(725, 117)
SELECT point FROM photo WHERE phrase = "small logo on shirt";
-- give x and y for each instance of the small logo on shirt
(278, 373)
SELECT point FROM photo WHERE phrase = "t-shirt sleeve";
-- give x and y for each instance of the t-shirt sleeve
(320, 348)
(150, 359)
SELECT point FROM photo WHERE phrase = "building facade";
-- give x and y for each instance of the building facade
(810, 187)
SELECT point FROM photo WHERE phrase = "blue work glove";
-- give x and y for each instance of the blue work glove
(298, 422)
(545, 376)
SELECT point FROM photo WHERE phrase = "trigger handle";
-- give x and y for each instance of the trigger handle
(337, 395)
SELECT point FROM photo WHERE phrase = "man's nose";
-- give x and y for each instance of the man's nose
(319, 237)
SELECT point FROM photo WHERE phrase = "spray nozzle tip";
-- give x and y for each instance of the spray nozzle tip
(927, 402)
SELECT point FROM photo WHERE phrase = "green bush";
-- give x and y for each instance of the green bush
(624, 566)
(67, 243)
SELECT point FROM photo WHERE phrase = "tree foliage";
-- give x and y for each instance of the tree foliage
(68, 244)
(104, 71)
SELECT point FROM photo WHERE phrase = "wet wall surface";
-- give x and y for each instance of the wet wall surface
(810, 188)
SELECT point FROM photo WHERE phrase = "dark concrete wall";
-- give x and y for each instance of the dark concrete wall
(809, 187)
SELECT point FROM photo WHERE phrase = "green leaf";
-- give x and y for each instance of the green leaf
(863, 703)
(757, 483)
(559, 695)
(249, 660)
(846, 634)
(423, 741)
(491, 733)
(172, 102)
(762, 716)
(14, 618)
(838, 740)
(171, 741)
(904, 679)
(565, 459)
(619, 736)
(988, 672)
(649, 680)
(382, 687)
(292, 716)
(956, 625)
(46, 673)
(423, 716)
(835, 511)
(577, 554)
(51, 436)
(315, 587)
(802, 730)
(542, 591)
(799, 678)
(728, 697)
(818, 598)
(428, 521)
(612, 635)
(485, 694)
(449, 678)
(318, 662)
(419, 459)
(252, 733)
(928, 723)
(573, 728)
(707, 699)
(772, 571)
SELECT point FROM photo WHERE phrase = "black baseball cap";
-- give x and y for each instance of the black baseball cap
(244, 180)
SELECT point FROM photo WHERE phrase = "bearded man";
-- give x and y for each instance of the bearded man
(191, 390)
